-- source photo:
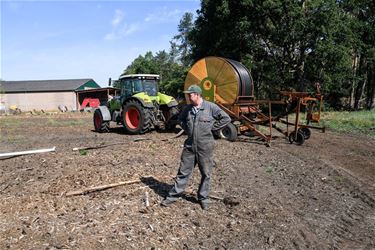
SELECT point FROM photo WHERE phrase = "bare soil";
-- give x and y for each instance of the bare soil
(319, 195)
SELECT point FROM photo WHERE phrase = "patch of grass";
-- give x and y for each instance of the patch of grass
(269, 169)
(77, 122)
(65, 123)
(339, 178)
(351, 122)
(28, 121)
(54, 118)
(52, 122)
(10, 122)
(83, 152)
(12, 138)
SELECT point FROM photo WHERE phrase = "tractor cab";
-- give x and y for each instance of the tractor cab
(137, 83)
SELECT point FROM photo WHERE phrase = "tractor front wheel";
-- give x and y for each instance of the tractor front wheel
(100, 125)
(136, 118)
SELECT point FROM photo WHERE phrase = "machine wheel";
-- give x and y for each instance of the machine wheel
(100, 125)
(306, 132)
(136, 118)
(229, 132)
(299, 140)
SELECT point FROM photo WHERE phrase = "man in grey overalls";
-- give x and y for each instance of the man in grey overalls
(198, 120)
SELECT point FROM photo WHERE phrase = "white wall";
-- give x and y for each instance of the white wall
(46, 101)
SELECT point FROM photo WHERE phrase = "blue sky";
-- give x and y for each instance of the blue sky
(83, 39)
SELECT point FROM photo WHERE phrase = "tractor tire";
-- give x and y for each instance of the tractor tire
(229, 132)
(173, 113)
(136, 118)
(172, 121)
(100, 125)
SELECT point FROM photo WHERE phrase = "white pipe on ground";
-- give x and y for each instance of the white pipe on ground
(37, 151)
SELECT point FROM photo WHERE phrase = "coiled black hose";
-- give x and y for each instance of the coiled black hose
(245, 87)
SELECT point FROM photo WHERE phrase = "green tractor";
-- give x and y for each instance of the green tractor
(139, 108)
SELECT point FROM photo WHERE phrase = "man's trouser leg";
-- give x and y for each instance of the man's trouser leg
(205, 164)
(187, 164)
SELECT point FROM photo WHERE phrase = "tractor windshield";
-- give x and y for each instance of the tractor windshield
(148, 86)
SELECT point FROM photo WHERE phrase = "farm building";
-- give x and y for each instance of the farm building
(50, 94)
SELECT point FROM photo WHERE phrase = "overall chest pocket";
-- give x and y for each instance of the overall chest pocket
(204, 118)
(205, 122)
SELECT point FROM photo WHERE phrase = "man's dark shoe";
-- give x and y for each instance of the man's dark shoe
(166, 203)
(204, 205)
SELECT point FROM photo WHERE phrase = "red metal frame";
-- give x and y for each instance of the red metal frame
(246, 110)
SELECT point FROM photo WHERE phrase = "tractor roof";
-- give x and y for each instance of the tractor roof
(139, 75)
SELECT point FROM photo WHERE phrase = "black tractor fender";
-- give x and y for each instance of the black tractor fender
(144, 104)
(172, 104)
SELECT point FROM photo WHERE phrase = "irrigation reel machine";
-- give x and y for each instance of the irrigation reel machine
(229, 84)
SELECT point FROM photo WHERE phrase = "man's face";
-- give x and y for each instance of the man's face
(194, 98)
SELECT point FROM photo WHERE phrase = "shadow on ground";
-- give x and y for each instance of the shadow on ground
(161, 189)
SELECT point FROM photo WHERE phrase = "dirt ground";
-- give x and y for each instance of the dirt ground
(319, 195)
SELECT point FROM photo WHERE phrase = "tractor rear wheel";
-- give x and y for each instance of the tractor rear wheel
(172, 119)
(100, 125)
(136, 118)
(229, 132)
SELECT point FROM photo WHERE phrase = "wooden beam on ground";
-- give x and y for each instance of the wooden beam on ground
(101, 187)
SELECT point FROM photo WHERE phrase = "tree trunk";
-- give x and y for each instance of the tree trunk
(370, 97)
(301, 69)
(361, 84)
(354, 81)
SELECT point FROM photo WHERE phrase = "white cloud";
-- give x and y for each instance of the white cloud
(164, 15)
(129, 29)
(110, 36)
(117, 19)
(121, 29)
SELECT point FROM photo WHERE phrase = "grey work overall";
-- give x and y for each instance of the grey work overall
(198, 124)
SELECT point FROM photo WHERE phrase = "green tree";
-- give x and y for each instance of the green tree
(142, 65)
(362, 16)
(180, 44)
(286, 44)
(170, 73)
